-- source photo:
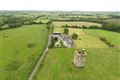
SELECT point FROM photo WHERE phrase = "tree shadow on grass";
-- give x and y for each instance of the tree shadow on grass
(14, 65)
(31, 45)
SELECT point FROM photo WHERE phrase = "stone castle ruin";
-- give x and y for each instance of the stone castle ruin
(80, 58)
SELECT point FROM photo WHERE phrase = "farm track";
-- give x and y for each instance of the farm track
(41, 58)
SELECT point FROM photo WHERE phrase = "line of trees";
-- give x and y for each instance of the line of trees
(105, 41)
(96, 20)
(13, 21)
(111, 27)
(17, 21)
(105, 26)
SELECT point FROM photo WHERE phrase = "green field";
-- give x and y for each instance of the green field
(84, 40)
(90, 16)
(42, 20)
(80, 23)
(112, 37)
(20, 49)
(22, 45)
(116, 21)
(102, 64)
(102, 61)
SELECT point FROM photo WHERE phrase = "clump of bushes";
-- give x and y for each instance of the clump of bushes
(32, 22)
(52, 44)
(111, 27)
(91, 27)
(66, 30)
(74, 36)
(13, 66)
(53, 41)
(108, 43)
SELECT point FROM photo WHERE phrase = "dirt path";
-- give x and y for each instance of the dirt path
(37, 66)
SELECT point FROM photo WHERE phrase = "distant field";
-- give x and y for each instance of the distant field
(80, 23)
(60, 18)
(84, 40)
(42, 20)
(117, 21)
(112, 37)
(21, 47)
(102, 64)
(91, 16)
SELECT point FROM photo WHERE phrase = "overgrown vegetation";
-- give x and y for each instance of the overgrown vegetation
(111, 27)
(108, 43)
(74, 36)
(66, 30)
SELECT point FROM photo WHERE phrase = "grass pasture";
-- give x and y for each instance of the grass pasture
(117, 21)
(78, 23)
(91, 16)
(21, 47)
(84, 40)
(42, 20)
(102, 64)
(112, 37)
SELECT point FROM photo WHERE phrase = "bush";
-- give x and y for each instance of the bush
(103, 39)
(52, 44)
(66, 30)
(74, 36)
(53, 41)
(48, 27)
(84, 27)
(108, 43)
(93, 27)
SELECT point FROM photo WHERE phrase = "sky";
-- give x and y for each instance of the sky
(61, 5)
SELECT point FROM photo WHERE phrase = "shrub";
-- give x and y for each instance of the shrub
(53, 41)
(84, 27)
(66, 30)
(48, 27)
(108, 43)
(74, 36)
(103, 39)
(52, 44)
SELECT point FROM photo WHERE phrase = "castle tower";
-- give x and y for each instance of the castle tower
(80, 58)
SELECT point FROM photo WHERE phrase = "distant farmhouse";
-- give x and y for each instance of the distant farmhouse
(66, 39)
(56, 35)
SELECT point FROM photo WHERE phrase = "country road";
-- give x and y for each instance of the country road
(36, 68)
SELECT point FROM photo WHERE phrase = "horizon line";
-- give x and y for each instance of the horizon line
(60, 10)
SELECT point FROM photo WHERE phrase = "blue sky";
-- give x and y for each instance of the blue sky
(69, 5)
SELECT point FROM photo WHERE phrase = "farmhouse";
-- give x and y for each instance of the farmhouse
(67, 41)
(56, 35)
